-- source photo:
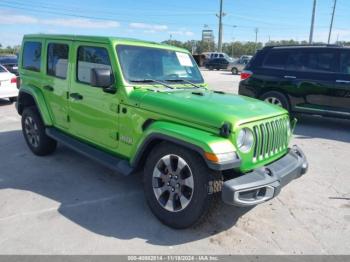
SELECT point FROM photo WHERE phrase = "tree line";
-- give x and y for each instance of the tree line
(9, 49)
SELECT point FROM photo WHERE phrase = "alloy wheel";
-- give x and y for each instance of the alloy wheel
(32, 131)
(274, 101)
(173, 183)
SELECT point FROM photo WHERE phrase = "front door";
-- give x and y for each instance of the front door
(92, 112)
(56, 81)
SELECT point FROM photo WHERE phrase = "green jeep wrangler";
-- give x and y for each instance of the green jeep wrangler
(130, 104)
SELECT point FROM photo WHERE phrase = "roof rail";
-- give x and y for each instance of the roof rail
(303, 45)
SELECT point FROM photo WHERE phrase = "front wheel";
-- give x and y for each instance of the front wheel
(176, 184)
(33, 130)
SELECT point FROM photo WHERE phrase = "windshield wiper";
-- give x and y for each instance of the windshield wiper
(183, 80)
(150, 81)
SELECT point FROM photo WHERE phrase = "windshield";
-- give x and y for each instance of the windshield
(144, 63)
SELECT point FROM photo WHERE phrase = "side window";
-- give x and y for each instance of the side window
(295, 61)
(32, 56)
(57, 60)
(89, 58)
(276, 59)
(319, 61)
(221, 55)
(345, 63)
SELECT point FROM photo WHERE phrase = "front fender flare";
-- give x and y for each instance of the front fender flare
(197, 140)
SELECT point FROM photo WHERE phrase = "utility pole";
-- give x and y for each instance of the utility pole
(331, 26)
(221, 14)
(312, 23)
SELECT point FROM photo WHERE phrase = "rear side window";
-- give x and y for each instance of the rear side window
(32, 56)
(91, 57)
(345, 63)
(2, 69)
(57, 60)
(318, 61)
(276, 59)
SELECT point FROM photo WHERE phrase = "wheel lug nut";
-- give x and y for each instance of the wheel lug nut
(172, 189)
(168, 183)
(176, 177)
(178, 185)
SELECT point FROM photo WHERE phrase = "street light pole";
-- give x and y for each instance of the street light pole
(312, 23)
(331, 26)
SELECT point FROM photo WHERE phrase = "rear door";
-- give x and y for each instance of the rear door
(340, 99)
(312, 71)
(56, 80)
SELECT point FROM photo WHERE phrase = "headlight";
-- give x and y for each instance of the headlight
(288, 128)
(245, 140)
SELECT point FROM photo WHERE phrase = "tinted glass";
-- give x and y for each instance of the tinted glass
(89, 58)
(32, 56)
(276, 59)
(295, 61)
(139, 63)
(8, 60)
(2, 69)
(318, 61)
(57, 60)
(345, 62)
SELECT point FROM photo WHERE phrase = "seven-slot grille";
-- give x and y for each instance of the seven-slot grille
(271, 137)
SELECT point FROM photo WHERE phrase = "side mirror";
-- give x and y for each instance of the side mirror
(100, 77)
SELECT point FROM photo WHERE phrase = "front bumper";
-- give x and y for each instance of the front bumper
(265, 183)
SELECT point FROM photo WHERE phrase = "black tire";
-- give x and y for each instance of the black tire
(278, 96)
(33, 130)
(234, 71)
(12, 99)
(201, 200)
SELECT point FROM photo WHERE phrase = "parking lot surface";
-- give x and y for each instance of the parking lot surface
(67, 204)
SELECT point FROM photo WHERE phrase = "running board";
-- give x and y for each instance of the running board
(119, 165)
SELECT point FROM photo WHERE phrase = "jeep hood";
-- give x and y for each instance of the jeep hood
(206, 108)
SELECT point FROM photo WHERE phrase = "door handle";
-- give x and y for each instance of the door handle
(48, 88)
(76, 96)
(290, 77)
(342, 81)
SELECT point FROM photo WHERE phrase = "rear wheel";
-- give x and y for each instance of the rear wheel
(276, 98)
(34, 133)
(176, 183)
(234, 71)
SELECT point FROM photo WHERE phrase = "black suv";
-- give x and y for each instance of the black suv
(217, 63)
(302, 79)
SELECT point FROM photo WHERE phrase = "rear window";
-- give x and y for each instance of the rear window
(276, 59)
(32, 56)
(57, 60)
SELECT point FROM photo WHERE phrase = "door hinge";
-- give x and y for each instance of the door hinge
(68, 118)
(67, 95)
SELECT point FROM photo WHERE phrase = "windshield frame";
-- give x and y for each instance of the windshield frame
(117, 46)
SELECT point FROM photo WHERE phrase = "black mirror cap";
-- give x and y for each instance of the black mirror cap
(101, 77)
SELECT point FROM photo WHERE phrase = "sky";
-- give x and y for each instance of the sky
(158, 20)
